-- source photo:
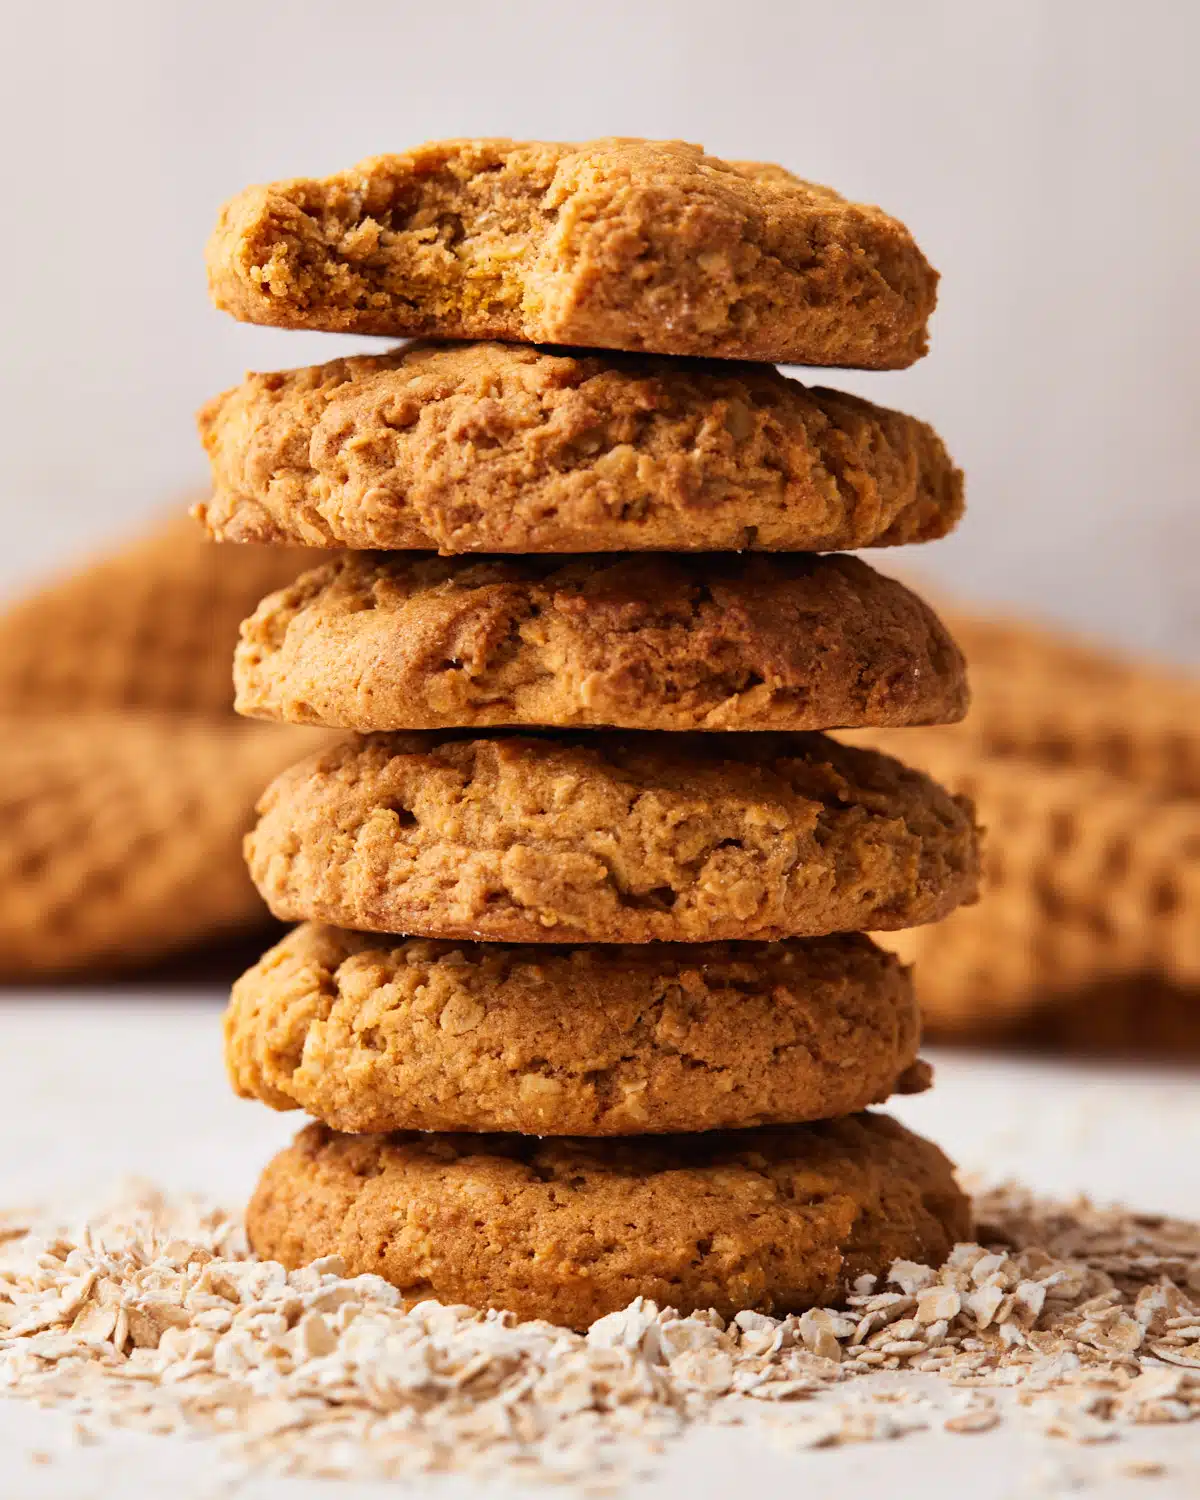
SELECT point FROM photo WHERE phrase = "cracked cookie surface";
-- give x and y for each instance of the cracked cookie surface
(614, 244)
(790, 642)
(373, 1033)
(504, 448)
(777, 1219)
(607, 837)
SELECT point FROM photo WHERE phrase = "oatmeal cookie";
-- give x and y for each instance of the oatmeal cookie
(375, 1034)
(506, 448)
(721, 642)
(777, 1219)
(613, 244)
(610, 838)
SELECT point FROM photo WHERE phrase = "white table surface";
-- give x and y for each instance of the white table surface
(98, 1085)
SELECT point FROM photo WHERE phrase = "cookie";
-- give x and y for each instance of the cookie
(1142, 727)
(504, 448)
(568, 1230)
(377, 1034)
(119, 836)
(610, 838)
(147, 627)
(722, 642)
(1091, 889)
(612, 244)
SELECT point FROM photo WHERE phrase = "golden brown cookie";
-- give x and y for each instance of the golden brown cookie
(1091, 890)
(506, 448)
(612, 244)
(374, 1034)
(610, 838)
(793, 642)
(148, 626)
(119, 836)
(569, 1230)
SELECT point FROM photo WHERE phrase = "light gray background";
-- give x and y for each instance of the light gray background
(1043, 151)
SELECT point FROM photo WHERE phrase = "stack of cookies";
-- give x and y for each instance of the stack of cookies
(581, 1001)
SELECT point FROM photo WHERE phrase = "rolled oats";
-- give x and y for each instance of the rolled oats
(155, 1317)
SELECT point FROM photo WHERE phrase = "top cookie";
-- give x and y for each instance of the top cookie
(613, 244)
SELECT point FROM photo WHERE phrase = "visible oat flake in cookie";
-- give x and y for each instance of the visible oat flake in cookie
(615, 244)
(610, 838)
(374, 1033)
(506, 448)
(644, 642)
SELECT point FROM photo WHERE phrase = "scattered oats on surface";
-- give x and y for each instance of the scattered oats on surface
(974, 1419)
(154, 1317)
(1141, 1468)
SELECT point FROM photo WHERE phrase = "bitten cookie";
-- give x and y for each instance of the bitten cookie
(569, 1230)
(614, 244)
(610, 838)
(720, 642)
(505, 448)
(376, 1034)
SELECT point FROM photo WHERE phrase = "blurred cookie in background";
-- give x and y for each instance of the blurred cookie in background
(148, 625)
(126, 782)
(1085, 767)
(120, 836)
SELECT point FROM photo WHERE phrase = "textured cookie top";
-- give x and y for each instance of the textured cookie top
(711, 641)
(506, 448)
(613, 244)
(569, 1230)
(376, 1034)
(610, 838)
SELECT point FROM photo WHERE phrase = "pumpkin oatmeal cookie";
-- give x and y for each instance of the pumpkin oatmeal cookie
(615, 244)
(778, 1219)
(507, 448)
(611, 838)
(373, 1034)
(793, 642)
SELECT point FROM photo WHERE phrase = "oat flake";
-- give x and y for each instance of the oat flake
(155, 1317)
